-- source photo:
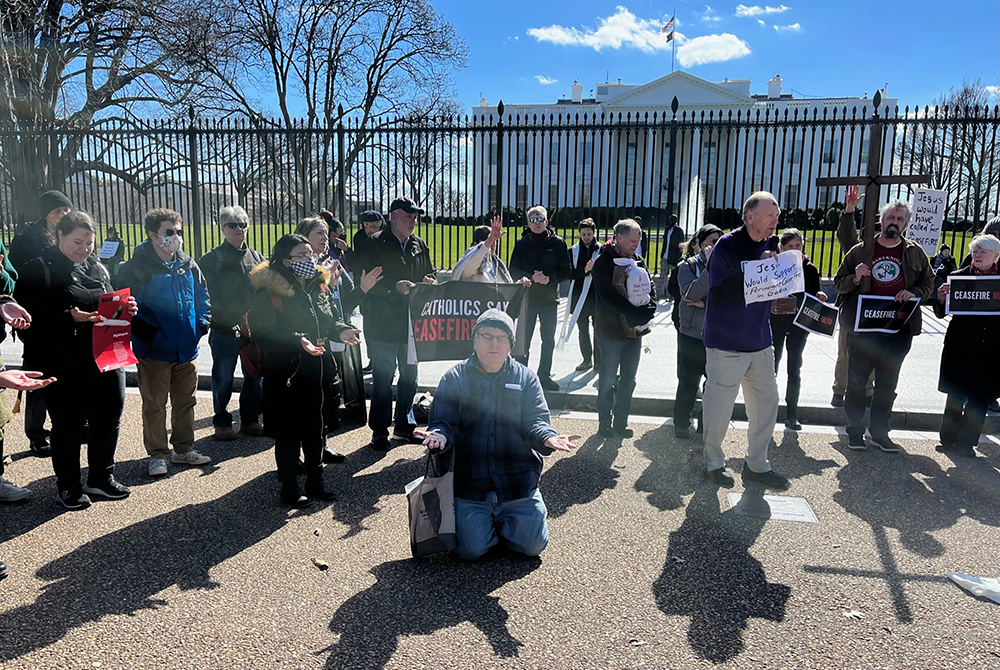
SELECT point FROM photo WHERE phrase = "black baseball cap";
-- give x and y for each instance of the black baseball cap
(405, 204)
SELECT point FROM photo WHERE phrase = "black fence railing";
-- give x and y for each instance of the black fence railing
(698, 165)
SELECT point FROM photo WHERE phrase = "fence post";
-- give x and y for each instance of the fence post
(671, 164)
(195, 184)
(341, 168)
(499, 159)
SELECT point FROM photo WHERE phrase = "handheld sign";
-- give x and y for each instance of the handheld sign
(775, 277)
(816, 316)
(928, 215)
(973, 296)
(883, 314)
(112, 335)
(108, 249)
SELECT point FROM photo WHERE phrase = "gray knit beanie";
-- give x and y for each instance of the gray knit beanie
(494, 318)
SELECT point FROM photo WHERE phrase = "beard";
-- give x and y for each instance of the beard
(891, 233)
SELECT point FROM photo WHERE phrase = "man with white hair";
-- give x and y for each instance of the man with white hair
(898, 267)
(227, 271)
(738, 348)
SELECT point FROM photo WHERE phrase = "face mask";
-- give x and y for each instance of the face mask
(171, 244)
(303, 268)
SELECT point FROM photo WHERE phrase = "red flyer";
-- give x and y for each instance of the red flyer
(113, 333)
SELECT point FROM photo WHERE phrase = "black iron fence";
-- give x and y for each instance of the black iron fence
(699, 165)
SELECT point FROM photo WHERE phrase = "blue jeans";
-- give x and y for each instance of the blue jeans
(521, 523)
(225, 353)
(619, 364)
(547, 316)
(385, 357)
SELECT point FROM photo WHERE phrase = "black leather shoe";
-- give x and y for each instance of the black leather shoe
(605, 431)
(292, 496)
(3, 570)
(792, 423)
(549, 384)
(624, 431)
(315, 489)
(770, 479)
(586, 365)
(682, 432)
(381, 444)
(721, 477)
(41, 449)
(331, 456)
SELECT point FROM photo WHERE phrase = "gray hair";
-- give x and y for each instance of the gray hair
(986, 243)
(893, 205)
(233, 214)
(626, 226)
(755, 199)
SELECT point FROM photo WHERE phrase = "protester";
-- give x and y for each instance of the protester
(943, 264)
(114, 260)
(480, 261)
(337, 247)
(970, 373)
(786, 334)
(27, 244)
(490, 415)
(227, 273)
(293, 324)
(371, 223)
(622, 319)
(581, 261)
(541, 256)
(899, 268)
(173, 316)
(404, 259)
(673, 239)
(61, 289)
(692, 280)
(738, 348)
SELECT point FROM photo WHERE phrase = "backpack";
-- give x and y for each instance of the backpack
(252, 356)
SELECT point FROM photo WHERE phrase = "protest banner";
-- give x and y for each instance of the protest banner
(928, 215)
(442, 317)
(775, 277)
(816, 316)
(973, 296)
(108, 249)
(113, 333)
(883, 314)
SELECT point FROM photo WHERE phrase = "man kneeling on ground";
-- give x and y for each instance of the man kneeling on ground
(491, 411)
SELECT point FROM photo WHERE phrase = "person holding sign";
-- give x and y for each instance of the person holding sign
(783, 311)
(112, 251)
(581, 261)
(738, 347)
(898, 268)
(970, 370)
(61, 290)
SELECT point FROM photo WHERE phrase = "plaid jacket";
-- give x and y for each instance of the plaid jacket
(497, 427)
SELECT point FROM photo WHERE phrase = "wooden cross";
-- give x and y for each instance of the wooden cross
(872, 182)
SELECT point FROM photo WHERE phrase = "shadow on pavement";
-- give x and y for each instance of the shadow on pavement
(419, 597)
(581, 477)
(119, 573)
(674, 470)
(358, 496)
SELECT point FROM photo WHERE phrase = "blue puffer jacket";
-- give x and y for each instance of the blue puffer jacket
(173, 305)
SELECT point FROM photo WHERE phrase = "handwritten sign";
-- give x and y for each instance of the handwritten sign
(775, 277)
(973, 296)
(816, 316)
(108, 249)
(928, 215)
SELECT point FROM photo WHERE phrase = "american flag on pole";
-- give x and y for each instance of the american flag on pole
(669, 28)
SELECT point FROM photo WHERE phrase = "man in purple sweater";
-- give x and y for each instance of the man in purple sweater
(738, 347)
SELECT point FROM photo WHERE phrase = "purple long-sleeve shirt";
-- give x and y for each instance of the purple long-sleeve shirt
(731, 324)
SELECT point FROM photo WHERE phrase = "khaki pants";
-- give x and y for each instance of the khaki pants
(726, 372)
(157, 380)
(840, 371)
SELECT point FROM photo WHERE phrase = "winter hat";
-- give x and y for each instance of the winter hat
(51, 200)
(494, 318)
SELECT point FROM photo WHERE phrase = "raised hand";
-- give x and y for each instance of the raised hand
(369, 279)
(852, 197)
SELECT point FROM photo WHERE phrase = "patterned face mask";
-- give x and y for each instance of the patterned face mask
(171, 244)
(303, 268)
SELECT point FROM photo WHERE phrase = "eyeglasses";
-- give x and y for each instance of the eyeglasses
(303, 257)
(170, 232)
(237, 224)
(493, 339)
(537, 219)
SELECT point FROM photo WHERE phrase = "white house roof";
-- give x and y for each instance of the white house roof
(689, 89)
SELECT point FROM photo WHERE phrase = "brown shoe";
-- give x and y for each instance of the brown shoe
(224, 434)
(254, 429)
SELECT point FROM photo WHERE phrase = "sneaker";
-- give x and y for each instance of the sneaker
(770, 479)
(12, 493)
(190, 458)
(367, 369)
(225, 433)
(885, 443)
(549, 384)
(157, 467)
(73, 501)
(582, 367)
(111, 489)
(856, 442)
(838, 400)
(255, 429)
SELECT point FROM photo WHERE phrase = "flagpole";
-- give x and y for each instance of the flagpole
(673, 44)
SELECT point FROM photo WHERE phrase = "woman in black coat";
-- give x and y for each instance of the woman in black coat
(61, 289)
(292, 325)
(970, 368)
(786, 334)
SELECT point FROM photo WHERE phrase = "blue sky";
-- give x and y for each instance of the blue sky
(530, 51)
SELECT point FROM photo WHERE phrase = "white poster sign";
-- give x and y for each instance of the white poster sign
(776, 277)
(928, 215)
(108, 249)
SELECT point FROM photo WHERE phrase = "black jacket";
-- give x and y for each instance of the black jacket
(386, 309)
(615, 316)
(227, 273)
(578, 272)
(29, 242)
(550, 256)
(969, 364)
(50, 285)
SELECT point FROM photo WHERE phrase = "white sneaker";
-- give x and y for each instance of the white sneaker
(190, 458)
(157, 467)
(12, 493)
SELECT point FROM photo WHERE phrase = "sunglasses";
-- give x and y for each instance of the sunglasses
(237, 224)
(536, 219)
(170, 232)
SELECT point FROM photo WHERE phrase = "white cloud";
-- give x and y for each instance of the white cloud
(620, 29)
(542, 79)
(710, 16)
(762, 22)
(757, 10)
(993, 90)
(711, 49)
(793, 28)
